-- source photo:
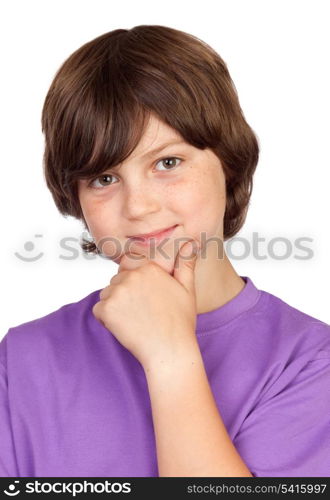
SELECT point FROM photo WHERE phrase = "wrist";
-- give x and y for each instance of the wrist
(185, 355)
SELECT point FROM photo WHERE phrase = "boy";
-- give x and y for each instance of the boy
(179, 366)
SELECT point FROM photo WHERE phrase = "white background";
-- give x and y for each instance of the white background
(277, 53)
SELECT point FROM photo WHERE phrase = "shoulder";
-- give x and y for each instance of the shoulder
(288, 376)
(61, 325)
(288, 337)
(278, 337)
(283, 317)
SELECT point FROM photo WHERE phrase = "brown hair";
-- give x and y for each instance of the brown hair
(98, 104)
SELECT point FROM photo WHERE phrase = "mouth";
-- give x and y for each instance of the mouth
(156, 236)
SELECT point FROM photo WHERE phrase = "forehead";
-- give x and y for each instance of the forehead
(156, 136)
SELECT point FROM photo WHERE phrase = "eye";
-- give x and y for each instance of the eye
(171, 159)
(104, 178)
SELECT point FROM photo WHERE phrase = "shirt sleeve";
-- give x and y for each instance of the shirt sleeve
(288, 434)
(8, 466)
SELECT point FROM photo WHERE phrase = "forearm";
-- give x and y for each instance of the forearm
(191, 438)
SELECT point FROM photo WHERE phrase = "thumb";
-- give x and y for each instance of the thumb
(184, 266)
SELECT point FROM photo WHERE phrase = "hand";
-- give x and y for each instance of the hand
(150, 312)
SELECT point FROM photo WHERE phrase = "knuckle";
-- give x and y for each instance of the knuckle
(95, 309)
(114, 279)
(104, 293)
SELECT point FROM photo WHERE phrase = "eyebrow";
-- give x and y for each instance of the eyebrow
(160, 148)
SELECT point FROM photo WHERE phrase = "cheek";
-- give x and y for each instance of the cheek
(103, 228)
(96, 217)
(202, 202)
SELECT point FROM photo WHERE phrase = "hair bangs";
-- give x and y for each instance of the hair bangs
(111, 133)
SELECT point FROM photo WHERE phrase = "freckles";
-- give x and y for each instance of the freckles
(95, 216)
(95, 207)
(185, 192)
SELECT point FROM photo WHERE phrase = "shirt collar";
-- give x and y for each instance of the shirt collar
(243, 301)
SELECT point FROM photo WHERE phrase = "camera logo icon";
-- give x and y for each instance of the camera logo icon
(12, 492)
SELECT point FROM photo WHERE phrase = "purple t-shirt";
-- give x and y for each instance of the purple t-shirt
(75, 402)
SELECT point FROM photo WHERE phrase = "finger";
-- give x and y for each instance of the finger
(96, 310)
(104, 293)
(117, 278)
(163, 256)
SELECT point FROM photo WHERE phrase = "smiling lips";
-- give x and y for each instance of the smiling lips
(156, 236)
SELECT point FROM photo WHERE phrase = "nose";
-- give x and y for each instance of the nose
(140, 201)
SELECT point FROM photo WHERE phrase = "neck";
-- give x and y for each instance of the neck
(216, 282)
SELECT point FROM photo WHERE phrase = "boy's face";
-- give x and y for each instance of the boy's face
(152, 192)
